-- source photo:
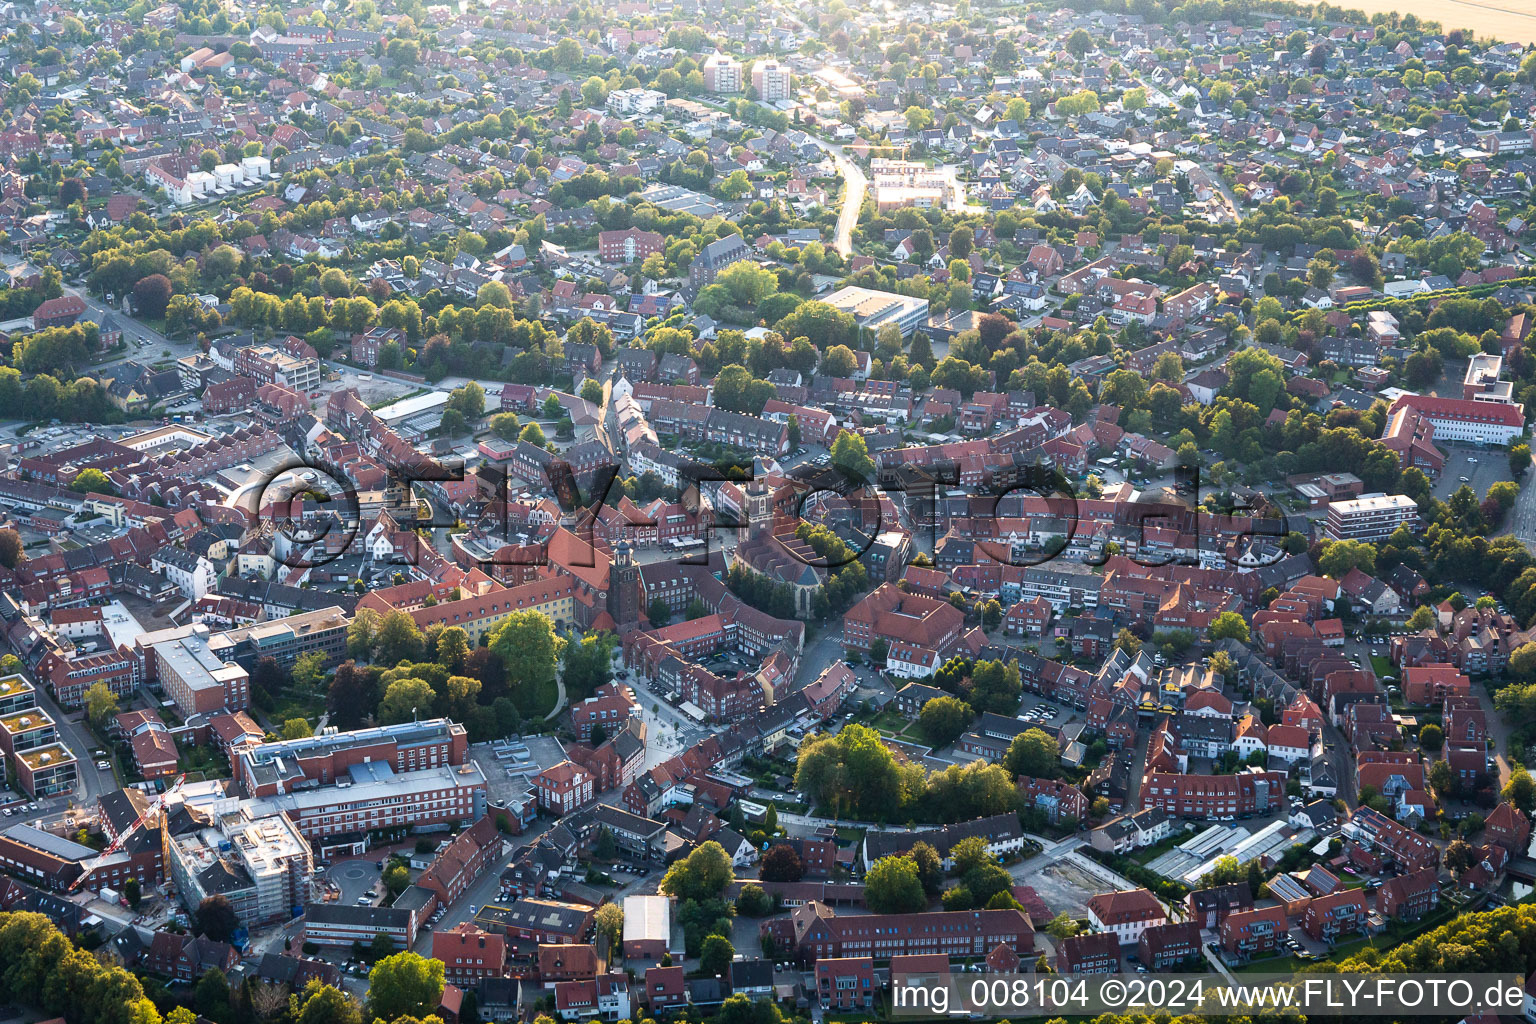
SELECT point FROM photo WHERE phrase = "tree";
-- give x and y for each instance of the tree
(1431, 737)
(397, 879)
(1459, 856)
(930, 867)
(326, 1004)
(1442, 779)
(406, 700)
(100, 704)
(1229, 625)
(533, 434)
(506, 425)
(12, 553)
(853, 771)
(91, 481)
(892, 886)
(1062, 926)
(587, 664)
(716, 954)
(132, 893)
(296, 729)
(151, 295)
(211, 995)
(1128, 642)
(1520, 790)
(1079, 42)
(782, 864)
(1423, 617)
(453, 648)
(942, 720)
(405, 984)
(839, 361)
(659, 612)
(397, 639)
(609, 922)
(754, 901)
(1519, 455)
(530, 651)
(216, 918)
(850, 454)
(703, 875)
(1340, 556)
(360, 633)
(468, 399)
(1033, 752)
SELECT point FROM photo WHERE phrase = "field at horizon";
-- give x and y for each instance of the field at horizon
(1505, 20)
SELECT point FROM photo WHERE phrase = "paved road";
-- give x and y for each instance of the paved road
(1522, 519)
(854, 186)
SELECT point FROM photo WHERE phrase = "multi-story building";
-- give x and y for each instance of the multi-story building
(564, 787)
(609, 708)
(191, 673)
(605, 997)
(341, 924)
(1250, 933)
(628, 246)
(1341, 912)
(269, 365)
(69, 674)
(469, 954)
(376, 798)
(538, 921)
(25, 730)
(1089, 953)
(1409, 897)
(260, 863)
(1377, 840)
(1469, 421)
(479, 614)
(874, 309)
(1207, 907)
(16, 694)
(269, 769)
(284, 640)
(721, 73)
(1214, 796)
(897, 617)
(1371, 519)
(716, 256)
(1166, 945)
(193, 574)
(813, 932)
(771, 81)
(1001, 832)
(845, 983)
(1126, 913)
(48, 770)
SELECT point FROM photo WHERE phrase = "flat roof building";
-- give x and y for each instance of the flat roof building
(1371, 518)
(874, 309)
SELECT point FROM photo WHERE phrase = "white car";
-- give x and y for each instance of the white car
(104, 766)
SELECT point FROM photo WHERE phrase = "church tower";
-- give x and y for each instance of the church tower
(624, 588)
(757, 512)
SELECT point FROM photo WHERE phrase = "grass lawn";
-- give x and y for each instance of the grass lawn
(889, 722)
(1382, 666)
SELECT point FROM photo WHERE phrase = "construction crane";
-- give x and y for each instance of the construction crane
(155, 807)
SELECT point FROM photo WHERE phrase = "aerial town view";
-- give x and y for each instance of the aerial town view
(766, 512)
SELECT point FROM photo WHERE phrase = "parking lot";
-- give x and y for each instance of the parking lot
(1478, 468)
